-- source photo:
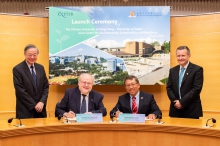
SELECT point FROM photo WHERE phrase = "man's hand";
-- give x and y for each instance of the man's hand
(117, 113)
(39, 107)
(151, 116)
(70, 114)
(177, 104)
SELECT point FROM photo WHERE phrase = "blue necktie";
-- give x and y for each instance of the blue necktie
(83, 106)
(180, 79)
(34, 76)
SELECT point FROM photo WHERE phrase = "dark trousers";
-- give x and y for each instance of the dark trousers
(37, 115)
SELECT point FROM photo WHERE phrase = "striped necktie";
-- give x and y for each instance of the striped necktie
(134, 105)
(34, 76)
(83, 105)
(180, 79)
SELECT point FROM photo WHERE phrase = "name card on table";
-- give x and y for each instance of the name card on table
(134, 118)
(96, 117)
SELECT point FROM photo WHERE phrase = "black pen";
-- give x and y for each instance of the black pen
(70, 110)
(117, 109)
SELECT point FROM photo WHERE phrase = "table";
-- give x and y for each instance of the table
(52, 132)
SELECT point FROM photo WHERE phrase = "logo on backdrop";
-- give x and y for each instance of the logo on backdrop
(64, 14)
(132, 14)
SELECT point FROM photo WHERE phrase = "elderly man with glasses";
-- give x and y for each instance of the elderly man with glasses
(31, 86)
(136, 101)
(81, 99)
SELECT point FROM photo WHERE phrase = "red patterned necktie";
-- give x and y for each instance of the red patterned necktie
(134, 105)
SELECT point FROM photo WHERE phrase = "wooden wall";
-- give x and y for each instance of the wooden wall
(200, 33)
(15, 33)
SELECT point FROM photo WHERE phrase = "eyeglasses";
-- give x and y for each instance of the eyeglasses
(86, 83)
(30, 55)
(131, 85)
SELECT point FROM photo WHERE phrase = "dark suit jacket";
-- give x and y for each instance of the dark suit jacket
(147, 104)
(190, 91)
(72, 101)
(25, 91)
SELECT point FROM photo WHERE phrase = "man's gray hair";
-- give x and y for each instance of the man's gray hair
(182, 48)
(81, 75)
(29, 46)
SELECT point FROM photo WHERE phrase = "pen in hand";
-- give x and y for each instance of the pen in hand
(71, 112)
(117, 112)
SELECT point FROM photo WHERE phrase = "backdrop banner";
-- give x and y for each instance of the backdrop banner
(109, 43)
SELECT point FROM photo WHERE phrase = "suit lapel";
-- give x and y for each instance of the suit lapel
(187, 72)
(141, 101)
(128, 102)
(38, 74)
(77, 96)
(176, 74)
(90, 101)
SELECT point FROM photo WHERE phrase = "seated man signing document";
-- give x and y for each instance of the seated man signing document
(81, 99)
(136, 101)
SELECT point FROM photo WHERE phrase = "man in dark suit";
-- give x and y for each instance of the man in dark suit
(135, 101)
(81, 99)
(31, 86)
(184, 86)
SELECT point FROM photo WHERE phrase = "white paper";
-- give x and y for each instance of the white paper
(71, 119)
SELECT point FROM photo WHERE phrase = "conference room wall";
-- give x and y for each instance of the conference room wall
(200, 33)
(15, 33)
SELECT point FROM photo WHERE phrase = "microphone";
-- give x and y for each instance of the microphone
(60, 116)
(66, 119)
(10, 120)
(213, 121)
(159, 120)
(112, 115)
(18, 125)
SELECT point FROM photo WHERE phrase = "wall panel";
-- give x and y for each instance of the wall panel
(15, 33)
(200, 33)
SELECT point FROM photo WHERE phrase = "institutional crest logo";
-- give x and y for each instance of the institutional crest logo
(132, 14)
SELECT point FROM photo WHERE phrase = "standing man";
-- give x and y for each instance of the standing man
(81, 99)
(31, 86)
(184, 87)
(136, 101)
